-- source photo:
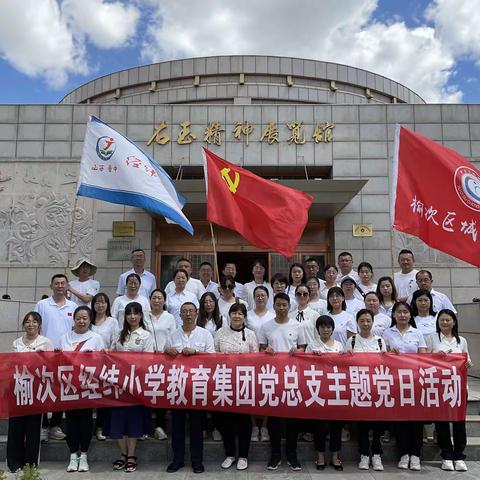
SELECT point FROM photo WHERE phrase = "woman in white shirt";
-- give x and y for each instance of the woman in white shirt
(315, 302)
(447, 340)
(180, 295)
(365, 283)
(79, 422)
(259, 272)
(160, 324)
(132, 284)
(387, 293)
(403, 337)
(107, 327)
(127, 424)
(330, 273)
(226, 288)
(345, 325)
(380, 320)
(209, 314)
(296, 276)
(260, 314)
(23, 443)
(325, 343)
(235, 339)
(423, 313)
(366, 341)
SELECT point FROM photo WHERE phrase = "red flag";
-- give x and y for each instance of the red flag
(436, 196)
(265, 213)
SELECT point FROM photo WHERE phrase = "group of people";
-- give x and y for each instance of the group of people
(343, 312)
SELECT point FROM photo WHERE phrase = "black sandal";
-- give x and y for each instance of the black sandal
(131, 467)
(120, 463)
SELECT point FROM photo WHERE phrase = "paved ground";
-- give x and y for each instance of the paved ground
(256, 471)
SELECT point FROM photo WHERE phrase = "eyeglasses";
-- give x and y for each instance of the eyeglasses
(302, 294)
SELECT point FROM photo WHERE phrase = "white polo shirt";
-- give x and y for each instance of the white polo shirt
(56, 320)
(147, 285)
(40, 344)
(443, 344)
(344, 323)
(427, 325)
(380, 323)
(140, 340)
(281, 337)
(160, 327)
(254, 322)
(409, 342)
(199, 339)
(119, 304)
(193, 285)
(318, 346)
(212, 287)
(175, 302)
(405, 283)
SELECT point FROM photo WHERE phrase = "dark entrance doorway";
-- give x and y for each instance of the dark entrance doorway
(243, 261)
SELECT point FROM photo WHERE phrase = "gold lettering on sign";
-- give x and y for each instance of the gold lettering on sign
(213, 133)
(298, 136)
(245, 128)
(185, 136)
(270, 133)
(323, 132)
(158, 136)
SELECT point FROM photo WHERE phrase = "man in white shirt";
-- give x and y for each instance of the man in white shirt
(82, 290)
(193, 284)
(188, 340)
(405, 279)
(311, 268)
(424, 281)
(229, 268)
(282, 334)
(148, 280)
(57, 319)
(345, 265)
(205, 272)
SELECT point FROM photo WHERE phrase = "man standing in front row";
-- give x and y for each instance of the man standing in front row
(148, 282)
(57, 319)
(282, 334)
(189, 339)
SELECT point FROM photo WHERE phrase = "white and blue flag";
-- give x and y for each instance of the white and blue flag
(115, 170)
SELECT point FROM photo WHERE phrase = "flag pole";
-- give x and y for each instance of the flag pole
(71, 235)
(215, 261)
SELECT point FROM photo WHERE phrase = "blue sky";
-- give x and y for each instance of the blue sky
(50, 47)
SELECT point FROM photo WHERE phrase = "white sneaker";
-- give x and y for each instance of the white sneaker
(404, 461)
(264, 436)
(460, 466)
(447, 465)
(377, 463)
(228, 462)
(73, 465)
(56, 433)
(83, 463)
(415, 463)
(99, 434)
(44, 435)
(345, 435)
(255, 434)
(216, 436)
(242, 464)
(364, 463)
(160, 434)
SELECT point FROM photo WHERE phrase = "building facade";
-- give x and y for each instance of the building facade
(325, 128)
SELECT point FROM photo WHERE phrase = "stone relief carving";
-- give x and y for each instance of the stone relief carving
(39, 228)
(4, 178)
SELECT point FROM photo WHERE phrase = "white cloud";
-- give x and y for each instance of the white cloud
(107, 25)
(43, 39)
(343, 32)
(35, 40)
(457, 25)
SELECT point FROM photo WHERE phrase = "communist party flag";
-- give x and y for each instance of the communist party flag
(268, 215)
(436, 196)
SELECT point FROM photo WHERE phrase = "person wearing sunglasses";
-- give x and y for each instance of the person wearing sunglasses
(227, 297)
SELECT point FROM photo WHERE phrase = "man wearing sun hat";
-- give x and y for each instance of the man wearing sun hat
(82, 290)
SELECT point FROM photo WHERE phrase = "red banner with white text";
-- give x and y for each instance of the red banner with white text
(361, 386)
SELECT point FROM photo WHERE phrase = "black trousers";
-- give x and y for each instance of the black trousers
(409, 437)
(23, 442)
(160, 417)
(364, 447)
(449, 451)
(233, 425)
(274, 426)
(54, 421)
(79, 429)
(179, 418)
(320, 430)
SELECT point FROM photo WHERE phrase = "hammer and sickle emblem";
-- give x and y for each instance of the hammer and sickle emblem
(232, 186)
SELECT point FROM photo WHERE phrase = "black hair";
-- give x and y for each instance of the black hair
(338, 291)
(452, 314)
(304, 276)
(58, 275)
(238, 307)
(366, 265)
(202, 314)
(84, 308)
(404, 252)
(392, 283)
(280, 278)
(420, 293)
(180, 270)
(108, 312)
(345, 254)
(163, 294)
(325, 320)
(281, 296)
(407, 306)
(261, 262)
(135, 275)
(364, 311)
(261, 287)
(132, 307)
(36, 316)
